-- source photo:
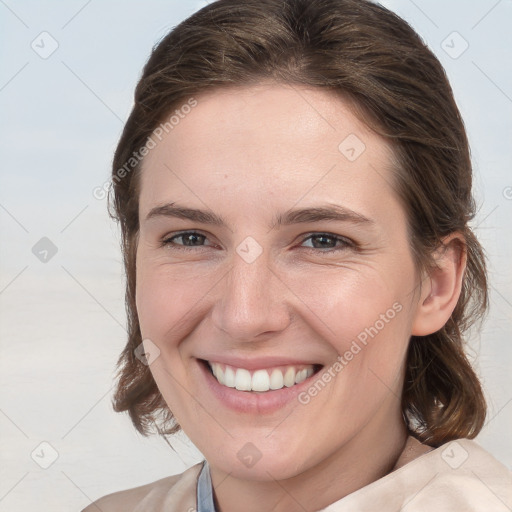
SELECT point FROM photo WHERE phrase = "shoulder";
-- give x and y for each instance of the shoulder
(459, 475)
(176, 492)
(466, 474)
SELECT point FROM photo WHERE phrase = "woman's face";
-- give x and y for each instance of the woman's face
(271, 241)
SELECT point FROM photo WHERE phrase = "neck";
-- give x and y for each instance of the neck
(369, 455)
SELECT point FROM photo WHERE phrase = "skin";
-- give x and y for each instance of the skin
(248, 154)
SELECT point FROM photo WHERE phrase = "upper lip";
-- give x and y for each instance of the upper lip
(256, 363)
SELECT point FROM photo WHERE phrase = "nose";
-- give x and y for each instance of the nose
(252, 302)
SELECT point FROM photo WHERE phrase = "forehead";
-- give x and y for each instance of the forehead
(280, 142)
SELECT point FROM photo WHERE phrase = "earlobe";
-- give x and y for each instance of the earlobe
(441, 288)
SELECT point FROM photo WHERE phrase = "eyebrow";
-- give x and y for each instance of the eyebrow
(328, 212)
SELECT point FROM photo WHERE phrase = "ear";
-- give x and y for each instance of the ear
(441, 287)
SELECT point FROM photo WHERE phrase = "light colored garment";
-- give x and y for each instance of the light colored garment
(459, 476)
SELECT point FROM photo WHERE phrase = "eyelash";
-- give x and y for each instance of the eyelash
(347, 243)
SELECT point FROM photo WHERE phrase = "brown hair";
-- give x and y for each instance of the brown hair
(369, 55)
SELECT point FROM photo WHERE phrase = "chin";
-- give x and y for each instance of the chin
(260, 464)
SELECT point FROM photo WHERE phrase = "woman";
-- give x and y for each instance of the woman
(294, 190)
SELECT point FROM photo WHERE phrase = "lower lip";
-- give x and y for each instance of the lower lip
(254, 402)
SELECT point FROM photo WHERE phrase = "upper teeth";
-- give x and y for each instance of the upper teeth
(260, 380)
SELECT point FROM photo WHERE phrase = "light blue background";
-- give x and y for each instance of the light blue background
(61, 322)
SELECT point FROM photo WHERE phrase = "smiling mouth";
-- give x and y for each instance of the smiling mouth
(264, 380)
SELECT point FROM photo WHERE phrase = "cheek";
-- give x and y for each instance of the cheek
(167, 298)
(364, 315)
(370, 338)
(343, 304)
(152, 296)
